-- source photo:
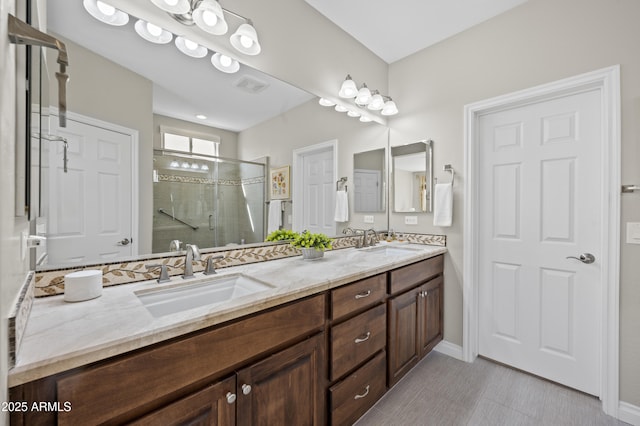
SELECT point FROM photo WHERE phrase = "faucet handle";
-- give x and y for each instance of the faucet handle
(210, 269)
(164, 272)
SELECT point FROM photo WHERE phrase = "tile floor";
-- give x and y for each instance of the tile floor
(444, 391)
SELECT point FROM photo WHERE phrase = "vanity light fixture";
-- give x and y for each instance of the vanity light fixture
(204, 167)
(106, 13)
(209, 16)
(190, 48)
(225, 63)
(348, 88)
(326, 102)
(376, 103)
(353, 113)
(364, 95)
(389, 108)
(201, 116)
(365, 119)
(152, 33)
(174, 164)
(341, 108)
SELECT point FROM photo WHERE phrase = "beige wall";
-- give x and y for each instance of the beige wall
(12, 268)
(538, 42)
(311, 124)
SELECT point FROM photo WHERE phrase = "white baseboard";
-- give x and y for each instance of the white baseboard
(629, 413)
(450, 349)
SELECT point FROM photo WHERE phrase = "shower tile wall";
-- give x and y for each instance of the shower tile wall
(224, 203)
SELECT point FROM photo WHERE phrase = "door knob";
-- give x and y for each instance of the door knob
(231, 397)
(246, 389)
(124, 242)
(584, 258)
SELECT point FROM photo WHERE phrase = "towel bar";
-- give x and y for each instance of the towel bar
(630, 188)
(448, 168)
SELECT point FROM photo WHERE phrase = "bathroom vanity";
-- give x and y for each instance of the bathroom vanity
(320, 347)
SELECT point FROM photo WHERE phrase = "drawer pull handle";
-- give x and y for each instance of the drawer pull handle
(246, 389)
(363, 339)
(363, 294)
(366, 392)
(231, 397)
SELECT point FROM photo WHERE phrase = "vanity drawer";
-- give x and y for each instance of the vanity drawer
(355, 340)
(409, 276)
(356, 296)
(353, 396)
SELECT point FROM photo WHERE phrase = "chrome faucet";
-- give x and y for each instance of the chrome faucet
(193, 253)
(163, 277)
(369, 241)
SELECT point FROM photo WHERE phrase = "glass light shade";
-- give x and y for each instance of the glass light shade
(326, 102)
(152, 33)
(364, 95)
(105, 13)
(341, 108)
(204, 167)
(186, 165)
(177, 7)
(209, 17)
(190, 48)
(376, 103)
(224, 63)
(353, 113)
(174, 163)
(348, 88)
(365, 119)
(245, 40)
(389, 108)
(194, 166)
(201, 117)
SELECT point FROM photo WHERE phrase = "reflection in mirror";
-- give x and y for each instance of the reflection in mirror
(412, 176)
(206, 201)
(369, 181)
(126, 82)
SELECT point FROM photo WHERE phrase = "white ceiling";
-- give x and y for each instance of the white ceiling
(394, 29)
(184, 87)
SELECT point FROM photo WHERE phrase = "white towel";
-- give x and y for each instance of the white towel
(443, 204)
(275, 216)
(342, 207)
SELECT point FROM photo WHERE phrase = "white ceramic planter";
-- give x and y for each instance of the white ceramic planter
(312, 254)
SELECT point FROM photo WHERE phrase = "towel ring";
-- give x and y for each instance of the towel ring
(448, 168)
(343, 181)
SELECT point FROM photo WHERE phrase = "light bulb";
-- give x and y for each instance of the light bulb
(191, 45)
(246, 41)
(225, 61)
(154, 30)
(106, 9)
(209, 18)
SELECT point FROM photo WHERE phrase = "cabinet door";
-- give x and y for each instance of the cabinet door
(286, 388)
(214, 405)
(431, 307)
(404, 328)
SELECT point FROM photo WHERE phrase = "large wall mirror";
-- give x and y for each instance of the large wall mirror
(412, 174)
(168, 102)
(369, 181)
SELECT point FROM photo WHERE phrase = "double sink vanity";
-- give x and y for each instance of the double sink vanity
(287, 341)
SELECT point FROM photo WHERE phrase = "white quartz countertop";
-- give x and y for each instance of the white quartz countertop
(60, 336)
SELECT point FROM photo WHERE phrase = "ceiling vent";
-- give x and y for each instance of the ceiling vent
(250, 84)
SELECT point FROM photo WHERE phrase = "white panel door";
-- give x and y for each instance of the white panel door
(89, 205)
(539, 204)
(366, 184)
(318, 192)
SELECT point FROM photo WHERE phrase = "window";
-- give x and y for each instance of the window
(176, 140)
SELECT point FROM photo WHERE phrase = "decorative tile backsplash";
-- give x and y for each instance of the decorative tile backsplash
(19, 316)
(49, 283)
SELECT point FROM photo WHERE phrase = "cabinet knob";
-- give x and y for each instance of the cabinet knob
(362, 395)
(231, 397)
(246, 389)
(363, 294)
(364, 338)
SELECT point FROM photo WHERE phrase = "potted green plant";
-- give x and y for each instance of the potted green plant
(312, 245)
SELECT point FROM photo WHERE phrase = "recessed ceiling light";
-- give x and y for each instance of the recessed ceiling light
(201, 117)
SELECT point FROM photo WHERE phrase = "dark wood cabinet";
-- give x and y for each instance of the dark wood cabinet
(286, 388)
(214, 405)
(415, 317)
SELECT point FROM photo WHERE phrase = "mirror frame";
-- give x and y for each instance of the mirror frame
(425, 146)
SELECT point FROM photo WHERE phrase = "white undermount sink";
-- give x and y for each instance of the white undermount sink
(390, 250)
(204, 292)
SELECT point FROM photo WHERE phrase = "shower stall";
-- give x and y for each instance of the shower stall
(207, 201)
